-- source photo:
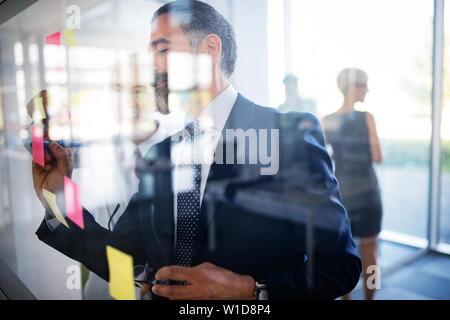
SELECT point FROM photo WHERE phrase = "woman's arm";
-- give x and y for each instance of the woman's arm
(377, 155)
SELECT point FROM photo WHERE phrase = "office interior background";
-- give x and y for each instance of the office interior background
(403, 45)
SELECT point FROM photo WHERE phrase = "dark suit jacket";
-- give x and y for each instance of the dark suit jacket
(256, 225)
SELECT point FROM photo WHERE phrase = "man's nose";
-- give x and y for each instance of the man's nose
(159, 64)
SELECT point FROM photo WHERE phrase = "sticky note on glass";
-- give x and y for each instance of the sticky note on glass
(54, 38)
(187, 71)
(79, 98)
(69, 37)
(51, 200)
(72, 193)
(180, 67)
(37, 140)
(121, 277)
(39, 112)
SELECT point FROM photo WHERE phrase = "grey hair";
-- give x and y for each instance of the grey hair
(350, 76)
(197, 20)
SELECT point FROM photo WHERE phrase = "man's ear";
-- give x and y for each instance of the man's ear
(212, 44)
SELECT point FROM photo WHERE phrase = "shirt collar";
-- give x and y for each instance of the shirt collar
(213, 117)
(215, 114)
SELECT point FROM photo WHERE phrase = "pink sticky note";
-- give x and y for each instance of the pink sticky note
(74, 211)
(54, 39)
(37, 139)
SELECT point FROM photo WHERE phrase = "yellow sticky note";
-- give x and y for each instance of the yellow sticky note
(39, 112)
(205, 97)
(121, 278)
(69, 37)
(79, 98)
(51, 200)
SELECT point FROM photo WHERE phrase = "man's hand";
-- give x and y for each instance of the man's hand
(204, 281)
(51, 176)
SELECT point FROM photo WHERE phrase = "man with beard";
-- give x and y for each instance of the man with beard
(226, 248)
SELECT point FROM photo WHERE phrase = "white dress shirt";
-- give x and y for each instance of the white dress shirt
(212, 121)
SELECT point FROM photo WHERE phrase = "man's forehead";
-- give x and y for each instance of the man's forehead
(165, 27)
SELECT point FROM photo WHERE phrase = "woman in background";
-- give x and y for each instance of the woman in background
(353, 137)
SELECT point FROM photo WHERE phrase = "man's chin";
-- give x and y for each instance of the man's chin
(162, 99)
(162, 105)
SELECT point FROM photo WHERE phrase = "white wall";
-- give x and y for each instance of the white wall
(249, 20)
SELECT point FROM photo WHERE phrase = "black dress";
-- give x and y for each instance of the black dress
(349, 136)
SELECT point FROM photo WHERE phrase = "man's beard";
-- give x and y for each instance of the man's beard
(161, 92)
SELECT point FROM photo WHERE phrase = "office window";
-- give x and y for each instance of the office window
(328, 36)
(445, 137)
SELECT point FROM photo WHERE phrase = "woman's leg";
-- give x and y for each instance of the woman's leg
(368, 248)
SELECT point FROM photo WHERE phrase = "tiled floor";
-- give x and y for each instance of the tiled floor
(390, 254)
(427, 278)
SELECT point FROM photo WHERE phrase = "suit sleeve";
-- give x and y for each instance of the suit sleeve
(336, 264)
(88, 245)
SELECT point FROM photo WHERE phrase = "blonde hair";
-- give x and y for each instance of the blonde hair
(350, 76)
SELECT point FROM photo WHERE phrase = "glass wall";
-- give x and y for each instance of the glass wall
(86, 68)
(87, 64)
(77, 54)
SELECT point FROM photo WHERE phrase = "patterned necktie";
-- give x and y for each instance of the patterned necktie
(188, 202)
